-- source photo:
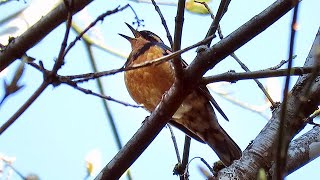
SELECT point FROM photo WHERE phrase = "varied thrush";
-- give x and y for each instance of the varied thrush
(195, 116)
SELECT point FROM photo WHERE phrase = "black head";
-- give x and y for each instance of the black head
(150, 36)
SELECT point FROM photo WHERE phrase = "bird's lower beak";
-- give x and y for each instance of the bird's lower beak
(126, 37)
(135, 32)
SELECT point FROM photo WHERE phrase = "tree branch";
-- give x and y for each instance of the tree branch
(260, 153)
(302, 151)
(232, 76)
(38, 31)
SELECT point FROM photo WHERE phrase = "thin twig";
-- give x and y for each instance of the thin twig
(283, 139)
(278, 66)
(204, 162)
(16, 171)
(254, 108)
(46, 81)
(114, 129)
(60, 60)
(309, 120)
(223, 6)
(207, 7)
(177, 61)
(185, 157)
(89, 76)
(88, 91)
(42, 28)
(68, 81)
(168, 3)
(164, 23)
(174, 140)
(24, 107)
(244, 67)
(13, 86)
(215, 23)
(99, 18)
(232, 76)
(98, 44)
(265, 92)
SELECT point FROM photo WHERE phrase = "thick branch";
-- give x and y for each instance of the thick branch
(38, 31)
(302, 150)
(260, 153)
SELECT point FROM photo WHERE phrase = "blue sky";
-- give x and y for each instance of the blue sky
(53, 137)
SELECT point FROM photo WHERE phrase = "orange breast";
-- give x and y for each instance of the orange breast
(147, 85)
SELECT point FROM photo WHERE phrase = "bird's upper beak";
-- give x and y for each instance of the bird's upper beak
(135, 33)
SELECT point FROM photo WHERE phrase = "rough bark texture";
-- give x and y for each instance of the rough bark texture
(20, 45)
(303, 100)
(302, 150)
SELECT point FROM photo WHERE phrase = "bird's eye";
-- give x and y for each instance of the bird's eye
(150, 36)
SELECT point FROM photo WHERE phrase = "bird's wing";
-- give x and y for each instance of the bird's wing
(204, 90)
(185, 130)
(206, 93)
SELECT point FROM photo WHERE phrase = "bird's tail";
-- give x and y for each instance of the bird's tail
(226, 149)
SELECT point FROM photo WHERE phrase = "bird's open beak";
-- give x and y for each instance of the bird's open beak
(126, 37)
(135, 32)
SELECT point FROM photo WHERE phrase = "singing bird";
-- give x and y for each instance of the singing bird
(195, 116)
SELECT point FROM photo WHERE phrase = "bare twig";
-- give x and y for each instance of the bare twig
(88, 91)
(177, 61)
(232, 76)
(185, 160)
(48, 77)
(309, 120)
(89, 76)
(60, 60)
(68, 81)
(283, 138)
(265, 92)
(163, 21)
(99, 18)
(13, 86)
(281, 64)
(168, 3)
(112, 123)
(28, 39)
(244, 67)
(98, 44)
(215, 23)
(24, 107)
(254, 108)
(176, 149)
(207, 7)
(204, 162)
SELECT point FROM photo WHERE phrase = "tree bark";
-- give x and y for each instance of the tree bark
(20, 45)
(260, 154)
